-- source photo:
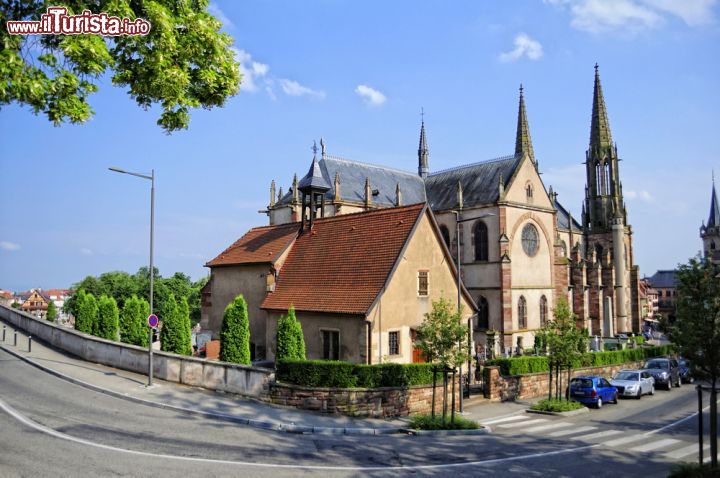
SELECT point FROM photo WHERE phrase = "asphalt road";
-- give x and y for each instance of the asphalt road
(49, 427)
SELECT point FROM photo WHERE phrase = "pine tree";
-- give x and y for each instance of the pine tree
(87, 312)
(186, 336)
(51, 314)
(107, 318)
(133, 322)
(171, 334)
(235, 333)
(290, 340)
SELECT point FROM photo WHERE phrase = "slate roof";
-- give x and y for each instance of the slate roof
(343, 264)
(314, 178)
(663, 279)
(260, 245)
(382, 179)
(479, 182)
(563, 219)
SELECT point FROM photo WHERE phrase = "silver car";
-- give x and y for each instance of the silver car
(633, 383)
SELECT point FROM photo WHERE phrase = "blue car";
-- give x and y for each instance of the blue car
(592, 391)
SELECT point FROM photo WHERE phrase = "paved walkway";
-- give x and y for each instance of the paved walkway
(188, 399)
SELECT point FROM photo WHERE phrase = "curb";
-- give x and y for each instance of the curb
(477, 431)
(560, 414)
(263, 425)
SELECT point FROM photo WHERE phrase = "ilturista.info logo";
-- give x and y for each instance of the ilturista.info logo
(57, 22)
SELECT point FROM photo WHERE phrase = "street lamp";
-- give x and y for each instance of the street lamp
(152, 271)
(459, 298)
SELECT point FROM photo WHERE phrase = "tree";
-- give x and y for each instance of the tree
(290, 340)
(442, 337)
(195, 300)
(133, 322)
(184, 314)
(235, 333)
(107, 323)
(51, 314)
(696, 330)
(562, 339)
(183, 62)
(87, 311)
(172, 337)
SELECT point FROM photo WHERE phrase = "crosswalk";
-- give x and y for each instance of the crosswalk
(633, 441)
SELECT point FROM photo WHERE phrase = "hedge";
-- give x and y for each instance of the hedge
(525, 365)
(333, 374)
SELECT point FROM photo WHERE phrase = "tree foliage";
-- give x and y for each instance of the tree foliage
(290, 340)
(133, 322)
(51, 313)
(235, 333)
(442, 336)
(563, 342)
(184, 61)
(172, 335)
(183, 311)
(108, 318)
(87, 312)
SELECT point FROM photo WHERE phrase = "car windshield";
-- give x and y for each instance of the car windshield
(683, 363)
(581, 383)
(627, 376)
(657, 364)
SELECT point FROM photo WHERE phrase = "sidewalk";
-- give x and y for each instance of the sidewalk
(186, 399)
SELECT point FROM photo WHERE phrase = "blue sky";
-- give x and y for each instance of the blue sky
(358, 73)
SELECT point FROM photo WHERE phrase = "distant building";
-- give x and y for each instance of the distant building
(35, 303)
(710, 232)
(665, 283)
(6, 298)
(648, 301)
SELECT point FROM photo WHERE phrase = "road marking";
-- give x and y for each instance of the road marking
(593, 436)
(624, 440)
(549, 426)
(523, 424)
(655, 445)
(506, 419)
(685, 451)
(562, 433)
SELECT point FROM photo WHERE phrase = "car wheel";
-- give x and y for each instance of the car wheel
(638, 395)
(678, 383)
(652, 390)
(669, 385)
(599, 403)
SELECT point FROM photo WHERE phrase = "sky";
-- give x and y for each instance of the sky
(358, 74)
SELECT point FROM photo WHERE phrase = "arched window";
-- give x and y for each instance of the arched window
(445, 233)
(522, 313)
(712, 245)
(564, 248)
(481, 241)
(529, 193)
(543, 311)
(599, 252)
(483, 313)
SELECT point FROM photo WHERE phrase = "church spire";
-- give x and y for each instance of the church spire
(423, 152)
(523, 143)
(600, 136)
(714, 218)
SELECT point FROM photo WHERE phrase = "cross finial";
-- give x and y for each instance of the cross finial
(596, 67)
(314, 148)
(521, 89)
(422, 114)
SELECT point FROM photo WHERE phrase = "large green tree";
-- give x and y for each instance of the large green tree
(133, 321)
(290, 340)
(696, 330)
(184, 62)
(87, 312)
(235, 333)
(108, 318)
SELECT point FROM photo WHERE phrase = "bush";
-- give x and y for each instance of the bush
(108, 320)
(290, 340)
(520, 365)
(425, 421)
(556, 406)
(323, 373)
(172, 334)
(235, 333)
(87, 311)
(693, 470)
(51, 314)
(133, 322)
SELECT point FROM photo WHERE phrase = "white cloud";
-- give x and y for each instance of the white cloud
(9, 246)
(216, 12)
(597, 16)
(524, 46)
(293, 88)
(642, 195)
(86, 252)
(251, 71)
(371, 96)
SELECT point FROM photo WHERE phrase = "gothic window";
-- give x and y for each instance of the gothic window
(564, 248)
(483, 313)
(543, 311)
(522, 313)
(607, 179)
(529, 193)
(481, 241)
(599, 252)
(712, 245)
(530, 240)
(445, 233)
(598, 183)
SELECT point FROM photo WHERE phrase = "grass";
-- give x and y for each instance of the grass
(694, 470)
(425, 421)
(555, 405)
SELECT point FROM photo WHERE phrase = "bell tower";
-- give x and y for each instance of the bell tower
(313, 188)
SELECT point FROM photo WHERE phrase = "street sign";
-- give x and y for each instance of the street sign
(152, 320)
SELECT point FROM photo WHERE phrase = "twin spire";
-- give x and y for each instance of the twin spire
(423, 152)
(523, 143)
(600, 136)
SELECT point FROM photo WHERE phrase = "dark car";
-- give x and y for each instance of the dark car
(592, 391)
(665, 371)
(686, 373)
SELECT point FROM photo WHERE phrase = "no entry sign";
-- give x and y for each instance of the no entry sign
(152, 320)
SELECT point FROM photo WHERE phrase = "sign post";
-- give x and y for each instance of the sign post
(152, 322)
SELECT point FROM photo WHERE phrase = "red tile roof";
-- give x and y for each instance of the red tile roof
(342, 265)
(259, 245)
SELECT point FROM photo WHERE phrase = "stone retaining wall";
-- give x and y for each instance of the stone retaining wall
(535, 385)
(221, 376)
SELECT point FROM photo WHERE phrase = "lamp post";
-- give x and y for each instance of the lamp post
(152, 271)
(459, 288)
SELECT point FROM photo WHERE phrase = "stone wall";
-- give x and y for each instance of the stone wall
(362, 402)
(226, 377)
(535, 385)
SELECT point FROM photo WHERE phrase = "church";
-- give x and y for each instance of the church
(519, 249)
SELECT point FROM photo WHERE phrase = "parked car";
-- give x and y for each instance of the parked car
(686, 373)
(665, 371)
(633, 383)
(592, 391)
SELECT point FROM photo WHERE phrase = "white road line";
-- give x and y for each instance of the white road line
(562, 433)
(655, 445)
(685, 451)
(505, 419)
(522, 424)
(624, 440)
(549, 426)
(593, 436)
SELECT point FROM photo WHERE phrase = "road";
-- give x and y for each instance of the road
(49, 427)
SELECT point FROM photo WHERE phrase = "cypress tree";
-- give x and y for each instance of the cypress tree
(235, 333)
(51, 314)
(107, 318)
(186, 335)
(87, 308)
(171, 334)
(290, 340)
(133, 321)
